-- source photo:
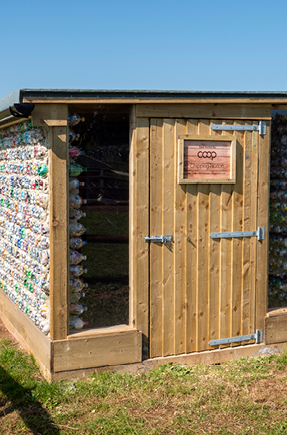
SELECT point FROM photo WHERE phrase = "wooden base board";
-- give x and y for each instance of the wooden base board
(27, 333)
(276, 326)
(216, 356)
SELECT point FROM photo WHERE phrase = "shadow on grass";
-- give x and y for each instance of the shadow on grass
(35, 417)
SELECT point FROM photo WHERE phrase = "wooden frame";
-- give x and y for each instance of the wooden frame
(208, 138)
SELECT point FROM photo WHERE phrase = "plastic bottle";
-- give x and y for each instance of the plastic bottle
(77, 270)
(74, 183)
(76, 201)
(76, 296)
(74, 119)
(77, 309)
(75, 152)
(75, 170)
(76, 242)
(76, 257)
(77, 323)
(43, 170)
(73, 136)
(76, 229)
(76, 214)
(77, 284)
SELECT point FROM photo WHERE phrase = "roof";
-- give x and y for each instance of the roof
(132, 96)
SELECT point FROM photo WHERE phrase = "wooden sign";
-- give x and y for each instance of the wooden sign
(206, 159)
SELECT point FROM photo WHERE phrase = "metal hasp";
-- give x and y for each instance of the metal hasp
(158, 239)
(258, 336)
(261, 127)
(260, 233)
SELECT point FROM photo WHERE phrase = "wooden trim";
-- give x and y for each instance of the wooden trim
(51, 115)
(276, 329)
(263, 220)
(139, 227)
(208, 111)
(26, 332)
(182, 180)
(215, 356)
(123, 347)
(148, 100)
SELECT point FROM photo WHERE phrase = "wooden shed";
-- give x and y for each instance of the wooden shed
(176, 188)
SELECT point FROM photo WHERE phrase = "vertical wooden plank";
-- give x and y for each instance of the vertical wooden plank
(246, 260)
(214, 258)
(263, 220)
(156, 249)
(179, 250)
(168, 178)
(254, 225)
(237, 243)
(225, 259)
(132, 263)
(139, 227)
(191, 256)
(203, 256)
(59, 269)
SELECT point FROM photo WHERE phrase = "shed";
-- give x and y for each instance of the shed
(168, 196)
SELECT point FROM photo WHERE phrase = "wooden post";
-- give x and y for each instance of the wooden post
(55, 116)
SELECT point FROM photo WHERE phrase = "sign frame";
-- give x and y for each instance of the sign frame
(206, 138)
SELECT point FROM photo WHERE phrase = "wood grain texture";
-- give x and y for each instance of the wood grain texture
(168, 177)
(27, 333)
(156, 249)
(275, 329)
(225, 260)
(103, 349)
(263, 220)
(191, 256)
(207, 111)
(59, 234)
(180, 236)
(203, 238)
(139, 228)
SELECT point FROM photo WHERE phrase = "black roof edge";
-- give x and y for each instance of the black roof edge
(18, 96)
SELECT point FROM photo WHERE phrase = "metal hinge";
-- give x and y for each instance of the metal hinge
(260, 233)
(261, 127)
(158, 239)
(258, 336)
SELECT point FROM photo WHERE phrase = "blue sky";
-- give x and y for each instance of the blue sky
(143, 44)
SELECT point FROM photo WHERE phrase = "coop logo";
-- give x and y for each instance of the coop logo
(206, 154)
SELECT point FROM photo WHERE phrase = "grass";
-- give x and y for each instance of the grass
(247, 396)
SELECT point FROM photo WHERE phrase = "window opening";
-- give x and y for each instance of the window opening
(104, 138)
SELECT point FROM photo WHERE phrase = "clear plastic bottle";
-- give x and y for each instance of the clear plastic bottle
(77, 323)
(76, 229)
(76, 214)
(74, 119)
(77, 309)
(76, 242)
(77, 270)
(75, 201)
(76, 257)
(74, 183)
(77, 284)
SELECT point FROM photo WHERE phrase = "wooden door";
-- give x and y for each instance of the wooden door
(200, 288)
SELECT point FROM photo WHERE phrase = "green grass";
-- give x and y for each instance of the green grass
(247, 396)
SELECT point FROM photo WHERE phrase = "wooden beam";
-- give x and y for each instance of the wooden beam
(27, 333)
(156, 100)
(276, 329)
(212, 111)
(51, 115)
(59, 264)
(112, 347)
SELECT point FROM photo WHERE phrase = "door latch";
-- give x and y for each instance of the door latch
(158, 239)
